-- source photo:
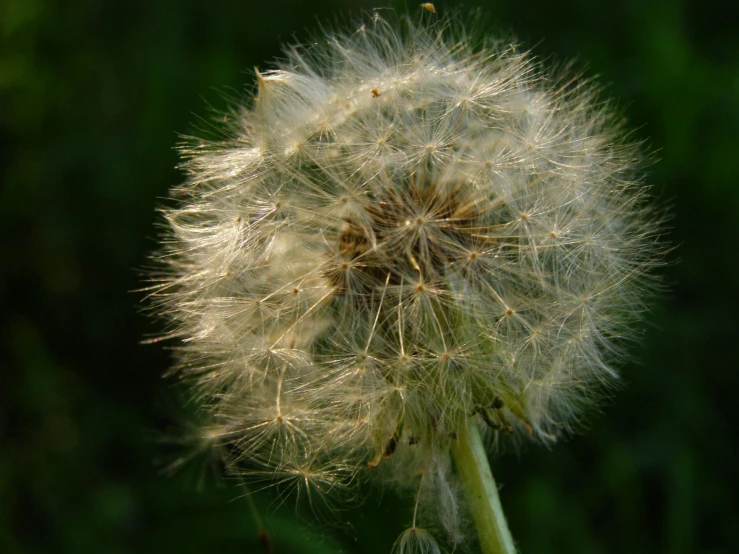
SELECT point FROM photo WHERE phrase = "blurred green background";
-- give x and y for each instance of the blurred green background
(93, 95)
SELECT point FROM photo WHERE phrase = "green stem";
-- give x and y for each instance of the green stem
(481, 491)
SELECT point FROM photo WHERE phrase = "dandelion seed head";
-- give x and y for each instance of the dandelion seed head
(405, 229)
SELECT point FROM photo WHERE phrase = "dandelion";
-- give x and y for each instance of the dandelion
(407, 245)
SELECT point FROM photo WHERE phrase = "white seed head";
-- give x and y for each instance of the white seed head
(405, 229)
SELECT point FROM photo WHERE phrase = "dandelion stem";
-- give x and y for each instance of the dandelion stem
(481, 491)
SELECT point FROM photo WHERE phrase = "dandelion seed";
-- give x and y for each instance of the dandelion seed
(359, 275)
(416, 541)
